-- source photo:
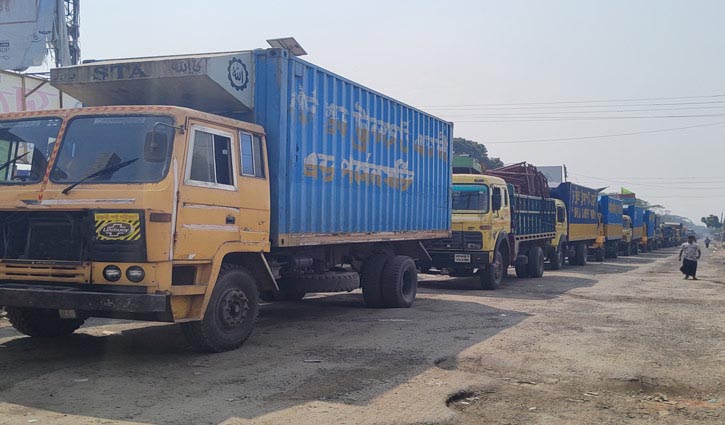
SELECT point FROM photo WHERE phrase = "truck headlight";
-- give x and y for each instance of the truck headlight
(472, 245)
(135, 274)
(112, 273)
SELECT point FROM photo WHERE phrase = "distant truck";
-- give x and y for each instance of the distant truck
(636, 224)
(671, 234)
(648, 241)
(611, 212)
(582, 218)
(494, 228)
(193, 186)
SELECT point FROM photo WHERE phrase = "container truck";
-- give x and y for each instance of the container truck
(189, 187)
(647, 243)
(494, 228)
(611, 211)
(636, 224)
(582, 217)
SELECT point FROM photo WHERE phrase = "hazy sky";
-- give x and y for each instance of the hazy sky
(463, 59)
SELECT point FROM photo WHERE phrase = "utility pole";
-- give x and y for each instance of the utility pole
(65, 43)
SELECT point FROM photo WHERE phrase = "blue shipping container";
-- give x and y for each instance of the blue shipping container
(347, 162)
(650, 221)
(581, 209)
(611, 210)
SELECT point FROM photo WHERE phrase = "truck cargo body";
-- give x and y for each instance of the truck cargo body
(637, 215)
(532, 215)
(648, 242)
(610, 210)
(192, 186)
(583, 219)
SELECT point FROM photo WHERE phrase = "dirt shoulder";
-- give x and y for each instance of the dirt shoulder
(626, 341)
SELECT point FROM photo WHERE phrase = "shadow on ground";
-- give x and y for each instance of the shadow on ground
(317, 349)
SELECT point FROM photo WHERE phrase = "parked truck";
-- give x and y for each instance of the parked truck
(494, 228)
(647, 243)
(636, 225)
(611, 212)
(192, 186)
(582, 218)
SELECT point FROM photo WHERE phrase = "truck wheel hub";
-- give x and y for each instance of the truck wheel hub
(234, 308)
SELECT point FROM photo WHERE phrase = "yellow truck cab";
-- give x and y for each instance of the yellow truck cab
(493, 229)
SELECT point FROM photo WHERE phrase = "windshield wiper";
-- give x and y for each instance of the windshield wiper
(17, 158)
(110, 169)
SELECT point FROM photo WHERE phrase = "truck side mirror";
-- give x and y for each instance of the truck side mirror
(156, 146)
(496, 199)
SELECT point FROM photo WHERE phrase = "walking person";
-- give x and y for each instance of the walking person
(692, 253)
(707, 242)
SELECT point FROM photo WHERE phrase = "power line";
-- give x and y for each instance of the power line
(544, 119)
(601, 136)
(464, 107)
(560, 102)
(515, 114)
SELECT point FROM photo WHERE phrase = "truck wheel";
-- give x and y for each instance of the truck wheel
(627, 250)
(635, 248)
(332, 281)
(599, 255)
(399, 282)
(581, 254)
(492, 274)
(615, 252)
(522, 270)
(42, 323)
(230, 315)
(370, 280)
(557, 258)
(536, 262)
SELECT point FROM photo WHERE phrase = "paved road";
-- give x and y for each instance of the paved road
(624, 341)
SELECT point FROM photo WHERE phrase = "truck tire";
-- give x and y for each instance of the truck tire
(522, 271)
(42, 323)
(627, 250)
(557, 258)
(599, 255)
(635, 248)
(536, 262)
(581, 254)
(371, 275)
(332, 281)
(492, 274)
(230, 315)
(399, 282)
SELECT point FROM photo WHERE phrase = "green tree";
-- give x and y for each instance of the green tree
(477, 151)
(712, 222)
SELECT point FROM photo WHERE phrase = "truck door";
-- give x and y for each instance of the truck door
(224, 195)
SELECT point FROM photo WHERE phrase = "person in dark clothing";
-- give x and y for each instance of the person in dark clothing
(707, 242)
(691, 252)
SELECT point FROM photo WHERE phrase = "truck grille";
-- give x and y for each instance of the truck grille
(38, 272)
(458, 241)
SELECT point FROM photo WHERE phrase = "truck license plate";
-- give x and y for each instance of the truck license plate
(462, 258)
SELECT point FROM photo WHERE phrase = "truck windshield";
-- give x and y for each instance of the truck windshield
(25, 147)
(470, 198)
(93, 143)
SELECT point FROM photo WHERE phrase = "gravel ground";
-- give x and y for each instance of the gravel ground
(625, 341)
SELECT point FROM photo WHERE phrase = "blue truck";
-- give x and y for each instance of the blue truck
(582, 209)
(611, 211)
(636, 225)
(189, 187)
(648, 241)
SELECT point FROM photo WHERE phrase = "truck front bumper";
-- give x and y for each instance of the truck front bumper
(447, 259)
(153, 307)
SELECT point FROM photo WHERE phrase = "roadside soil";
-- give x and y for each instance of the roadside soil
(626, 341)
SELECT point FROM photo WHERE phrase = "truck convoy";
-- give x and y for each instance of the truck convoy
(647, 244)
(495, 227)
(189, 187)
(582, 218)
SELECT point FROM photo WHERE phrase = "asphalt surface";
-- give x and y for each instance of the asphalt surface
(625, 341)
